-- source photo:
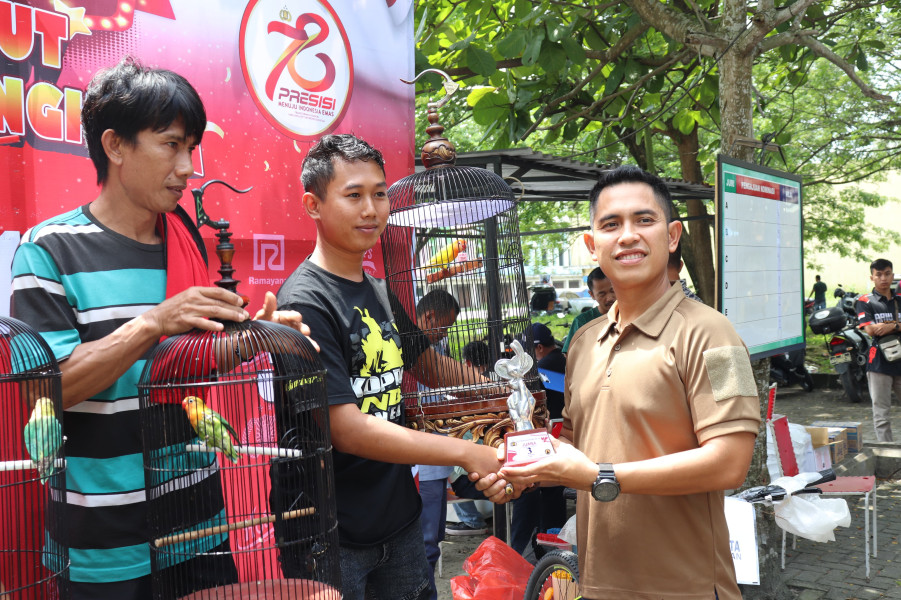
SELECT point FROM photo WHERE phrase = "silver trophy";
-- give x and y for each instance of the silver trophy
(521, 402)
(525, 444)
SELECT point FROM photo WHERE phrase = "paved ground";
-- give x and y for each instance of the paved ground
(828, 571)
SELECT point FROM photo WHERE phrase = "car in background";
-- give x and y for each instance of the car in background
(575, 301)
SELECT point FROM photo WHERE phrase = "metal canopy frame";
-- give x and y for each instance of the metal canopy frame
(552, 178)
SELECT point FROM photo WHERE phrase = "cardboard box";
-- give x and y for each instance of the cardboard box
(837, 451)
(852, 430)
(821, 457)
(819, 436)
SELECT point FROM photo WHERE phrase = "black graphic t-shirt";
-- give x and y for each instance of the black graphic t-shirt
(361, 349)
(872, 309)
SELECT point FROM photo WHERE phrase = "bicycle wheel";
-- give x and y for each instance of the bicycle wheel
(555, 577)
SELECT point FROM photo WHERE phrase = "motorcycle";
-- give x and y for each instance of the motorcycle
(788, 369)
(848, 346)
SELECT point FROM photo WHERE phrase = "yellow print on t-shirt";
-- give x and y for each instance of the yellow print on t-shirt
(378, 382)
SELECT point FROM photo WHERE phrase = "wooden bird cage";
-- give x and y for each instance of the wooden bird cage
(34, 559)
(456, 229)
(257, 519)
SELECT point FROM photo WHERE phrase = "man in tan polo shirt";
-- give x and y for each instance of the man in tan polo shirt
(661, 415)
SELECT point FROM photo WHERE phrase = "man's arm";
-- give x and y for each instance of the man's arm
(720, 463)
(869, 324)
(370, 437)
(94, 366)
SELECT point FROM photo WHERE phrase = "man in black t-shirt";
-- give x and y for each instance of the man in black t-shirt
(877, 313)
(352, 319)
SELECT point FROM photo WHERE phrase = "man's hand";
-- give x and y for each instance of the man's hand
(568, 467)
(195, 307)
(494, 487)
(483, 460)
(289, 318)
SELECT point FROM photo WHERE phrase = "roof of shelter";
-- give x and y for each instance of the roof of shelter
(547, 177)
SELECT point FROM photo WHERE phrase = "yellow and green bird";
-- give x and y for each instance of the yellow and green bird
(211, 428)
(43, 437)
(447, 254)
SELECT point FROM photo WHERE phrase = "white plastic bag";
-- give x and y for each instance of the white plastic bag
(809, 516)
(568, 531)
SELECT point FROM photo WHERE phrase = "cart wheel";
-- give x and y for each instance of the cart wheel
(555, 577)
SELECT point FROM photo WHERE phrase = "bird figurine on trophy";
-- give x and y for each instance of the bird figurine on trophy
(525, 444)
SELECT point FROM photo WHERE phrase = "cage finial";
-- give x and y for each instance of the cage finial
(225, 250)
(438, 150)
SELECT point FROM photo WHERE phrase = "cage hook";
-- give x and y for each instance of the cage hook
(450, 88)
(225, 250)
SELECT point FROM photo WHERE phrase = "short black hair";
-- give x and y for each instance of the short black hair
(817, 277)
(477, 353)
(318, 168)
(129, 98)
(438, 301)
(595, 275)
(880, 264)
(631, 174)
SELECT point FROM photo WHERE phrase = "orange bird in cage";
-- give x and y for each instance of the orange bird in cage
(447, 254)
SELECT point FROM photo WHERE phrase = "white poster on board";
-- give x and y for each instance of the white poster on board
(759, 227)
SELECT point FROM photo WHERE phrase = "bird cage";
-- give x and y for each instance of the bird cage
(238, 463)
(34, 560)
(456, 229)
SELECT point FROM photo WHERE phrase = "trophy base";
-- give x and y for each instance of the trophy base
(525, 447)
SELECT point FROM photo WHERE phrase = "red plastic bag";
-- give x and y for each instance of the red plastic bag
(496, 572)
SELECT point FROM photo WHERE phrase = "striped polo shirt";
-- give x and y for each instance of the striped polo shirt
(76, 281)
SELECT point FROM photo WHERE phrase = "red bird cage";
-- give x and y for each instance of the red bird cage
(238, 462)
(453, 232)
(34, 560)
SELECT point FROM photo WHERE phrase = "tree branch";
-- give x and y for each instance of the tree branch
(823, 51)
(611, 54)
(675, 24)
(784, 38)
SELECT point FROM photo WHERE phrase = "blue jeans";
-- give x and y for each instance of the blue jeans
(393, 570)
(469, 515)
(433, 520)
(819, 305)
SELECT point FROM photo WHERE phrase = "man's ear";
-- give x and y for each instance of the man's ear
(112, 144)
(588, 238)
(675, 232)
(311, 204)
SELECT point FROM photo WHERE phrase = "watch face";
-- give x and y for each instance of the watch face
(605, 490)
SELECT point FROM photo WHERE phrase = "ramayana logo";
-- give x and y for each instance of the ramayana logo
(268, 252)
(297, 64)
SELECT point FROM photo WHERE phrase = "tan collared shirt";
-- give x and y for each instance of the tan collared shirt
(670, 380)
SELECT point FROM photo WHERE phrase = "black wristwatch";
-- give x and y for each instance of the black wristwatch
(606, 487)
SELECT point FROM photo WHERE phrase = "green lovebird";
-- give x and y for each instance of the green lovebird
(211, 428)
(43, 437)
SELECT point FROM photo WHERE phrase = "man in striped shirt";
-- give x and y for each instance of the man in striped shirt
(93, 282)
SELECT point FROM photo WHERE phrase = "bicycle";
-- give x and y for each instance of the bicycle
(556, 575)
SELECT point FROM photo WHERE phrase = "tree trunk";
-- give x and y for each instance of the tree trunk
(769, 536)
(697, 251)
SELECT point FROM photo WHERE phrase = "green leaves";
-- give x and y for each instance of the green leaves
(513, 45)
(480, 61)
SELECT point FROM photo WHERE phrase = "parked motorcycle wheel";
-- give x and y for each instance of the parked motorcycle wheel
(850, 386)
(807, 383)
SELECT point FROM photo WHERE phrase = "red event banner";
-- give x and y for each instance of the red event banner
(274, 76)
